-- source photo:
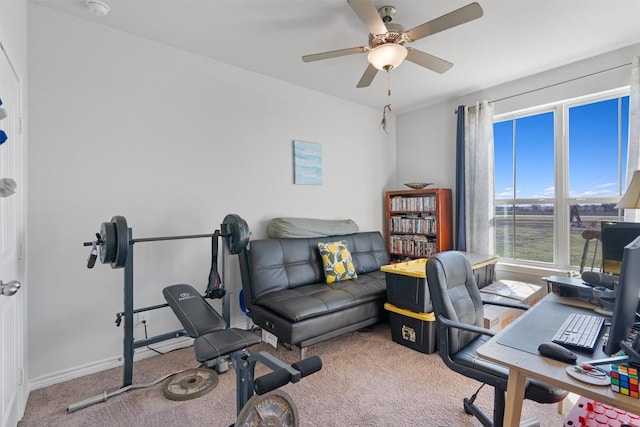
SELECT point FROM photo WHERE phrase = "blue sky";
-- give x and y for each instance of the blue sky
(593, 152)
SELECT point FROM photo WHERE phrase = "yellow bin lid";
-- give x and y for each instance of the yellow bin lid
(413, 268)
(426, 317)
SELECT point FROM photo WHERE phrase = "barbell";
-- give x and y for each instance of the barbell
(112, 242)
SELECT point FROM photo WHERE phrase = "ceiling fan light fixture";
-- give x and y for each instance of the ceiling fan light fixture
(387, 56)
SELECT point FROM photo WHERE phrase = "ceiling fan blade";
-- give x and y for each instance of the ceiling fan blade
(368, 76)
(425, 60)
(334, 53)
(459, 16)
(367, 12)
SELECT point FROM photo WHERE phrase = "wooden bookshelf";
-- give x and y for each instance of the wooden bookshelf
(418, 223)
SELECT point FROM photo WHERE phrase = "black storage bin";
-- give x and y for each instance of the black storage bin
(407, 286)
(413, 330)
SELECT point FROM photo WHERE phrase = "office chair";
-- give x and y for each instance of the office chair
(459, 314)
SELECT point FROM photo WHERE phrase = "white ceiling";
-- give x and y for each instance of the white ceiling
(514, 39)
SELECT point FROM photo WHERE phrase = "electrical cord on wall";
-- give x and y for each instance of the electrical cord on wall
(146, 336)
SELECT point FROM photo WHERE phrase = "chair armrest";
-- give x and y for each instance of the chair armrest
(471, 328)
(508, 304)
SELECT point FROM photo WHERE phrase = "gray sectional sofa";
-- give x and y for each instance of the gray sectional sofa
(285, 291)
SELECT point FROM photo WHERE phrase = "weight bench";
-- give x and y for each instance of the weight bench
(214, 341)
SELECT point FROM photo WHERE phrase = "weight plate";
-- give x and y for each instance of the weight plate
(108, 246)
(236, 232)
(274, 409)
(122, 241)
(190, 384)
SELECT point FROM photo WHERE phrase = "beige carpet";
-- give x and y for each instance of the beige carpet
(367, 380)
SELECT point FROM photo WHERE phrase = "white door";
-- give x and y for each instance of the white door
(12, 355)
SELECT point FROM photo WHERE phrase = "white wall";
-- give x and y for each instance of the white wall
(121, 125)
(426, 138)
(427, 146)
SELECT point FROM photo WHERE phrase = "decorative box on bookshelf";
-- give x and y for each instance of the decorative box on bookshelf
(418, 223)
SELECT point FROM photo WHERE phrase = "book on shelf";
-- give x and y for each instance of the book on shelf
(404, 224)
(413, 245)
(412, 204)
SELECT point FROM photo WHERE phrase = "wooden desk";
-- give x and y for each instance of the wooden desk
(525, 364)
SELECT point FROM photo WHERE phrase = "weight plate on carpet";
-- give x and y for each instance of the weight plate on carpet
(107, 246)
(236, 231)
(273, 409)
(121, 241)
(190, 384)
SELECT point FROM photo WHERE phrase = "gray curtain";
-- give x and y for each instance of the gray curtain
(633, 155)
(479, 179)
(460, 221)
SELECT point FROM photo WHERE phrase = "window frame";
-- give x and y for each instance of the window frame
(561, 201)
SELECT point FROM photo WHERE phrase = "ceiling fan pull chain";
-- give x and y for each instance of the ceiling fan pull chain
(388, 85)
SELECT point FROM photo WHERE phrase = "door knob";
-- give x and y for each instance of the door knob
(8, 289)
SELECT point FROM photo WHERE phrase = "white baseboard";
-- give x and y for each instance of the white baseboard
(101, 365)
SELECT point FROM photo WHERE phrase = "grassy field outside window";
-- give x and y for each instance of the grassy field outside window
(526, 232)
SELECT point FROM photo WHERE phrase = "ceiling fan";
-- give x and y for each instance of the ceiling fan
(386, 39)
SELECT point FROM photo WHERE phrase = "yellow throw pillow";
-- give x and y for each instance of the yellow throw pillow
(337, 262)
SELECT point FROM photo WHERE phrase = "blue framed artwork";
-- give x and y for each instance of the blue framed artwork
(307, 163)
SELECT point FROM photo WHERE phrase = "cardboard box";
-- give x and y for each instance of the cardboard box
(497, 317)
(509, 291)
(522, 292)
(413, 330)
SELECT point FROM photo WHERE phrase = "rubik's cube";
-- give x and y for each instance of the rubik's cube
(624, 380)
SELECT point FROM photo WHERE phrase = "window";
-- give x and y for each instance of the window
(559, 170)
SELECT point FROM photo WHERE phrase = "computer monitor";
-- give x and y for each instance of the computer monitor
(615, 235)
(627, 297)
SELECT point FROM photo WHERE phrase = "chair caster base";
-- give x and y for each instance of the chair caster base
(473, 410)
(531, 422)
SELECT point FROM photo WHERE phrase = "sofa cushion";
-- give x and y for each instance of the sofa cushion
(368, 250)
(314, 300)
(336, 261)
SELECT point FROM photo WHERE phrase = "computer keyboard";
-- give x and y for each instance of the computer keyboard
(580, 332)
